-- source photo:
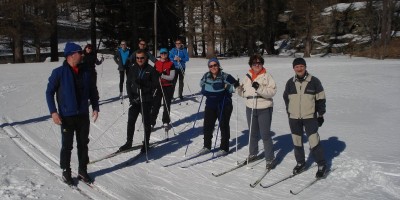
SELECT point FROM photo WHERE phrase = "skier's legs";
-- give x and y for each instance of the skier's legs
(210, 117)
(296, 127)
(224, 126)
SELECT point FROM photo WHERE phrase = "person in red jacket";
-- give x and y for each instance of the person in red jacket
(165, 89)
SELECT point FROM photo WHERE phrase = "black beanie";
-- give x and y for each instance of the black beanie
(299, 61)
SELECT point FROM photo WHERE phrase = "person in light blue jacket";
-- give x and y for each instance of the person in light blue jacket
(179, 56)
(121, 57)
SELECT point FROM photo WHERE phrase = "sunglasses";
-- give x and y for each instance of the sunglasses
(214, 65)
(256, 64)
(140, 58)
(163, 53)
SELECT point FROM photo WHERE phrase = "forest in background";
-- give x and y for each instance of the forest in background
(209, 28)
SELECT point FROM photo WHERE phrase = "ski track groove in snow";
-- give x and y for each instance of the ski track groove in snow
(50, 167)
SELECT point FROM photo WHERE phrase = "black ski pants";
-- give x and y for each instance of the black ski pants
(158, 99)
(122, 78)
(79, 125)
(210, 117)
(133, 114)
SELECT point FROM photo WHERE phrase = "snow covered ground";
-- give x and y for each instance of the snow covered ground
(360, 136)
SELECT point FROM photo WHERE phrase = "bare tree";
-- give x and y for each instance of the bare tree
(386, 29)
(210, 29)
(191, 31)
(52, 16)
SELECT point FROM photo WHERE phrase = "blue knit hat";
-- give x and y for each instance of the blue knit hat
(213, 60)
(71, 48)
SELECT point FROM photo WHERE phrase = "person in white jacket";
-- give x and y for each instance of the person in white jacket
(258, 87)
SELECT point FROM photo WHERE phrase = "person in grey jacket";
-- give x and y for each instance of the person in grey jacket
(305, 105)
(258, 87)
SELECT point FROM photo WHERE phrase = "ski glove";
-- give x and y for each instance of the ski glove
(134, 101)
(165, 72)
(236, 84)
(320, 121)
(255, 85)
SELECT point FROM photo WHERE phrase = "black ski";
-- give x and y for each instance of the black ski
(125, 151)
(239, 165)
(202, 161)
(312, 182)
(286, 178)
(260, 179)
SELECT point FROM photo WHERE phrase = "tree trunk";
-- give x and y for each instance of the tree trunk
(387, 8)
(210, 30)
(191, 28)
(93, 25)
(18, 48)
(54, 35)
(203, 39)
(308, 37)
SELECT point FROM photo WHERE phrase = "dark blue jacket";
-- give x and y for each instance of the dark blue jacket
(217, 90)
(72, 91)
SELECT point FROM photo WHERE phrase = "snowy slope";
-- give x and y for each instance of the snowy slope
(360, 136)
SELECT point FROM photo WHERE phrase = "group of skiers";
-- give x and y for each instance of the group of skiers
(148, 87)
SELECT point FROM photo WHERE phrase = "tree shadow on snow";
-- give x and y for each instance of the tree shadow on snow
(110, 100)
(28, 121)
(175, 142)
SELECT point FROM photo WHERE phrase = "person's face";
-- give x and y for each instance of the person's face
(140, 59)
(123, 45)
(88, 50)
(300, 70)
(142, 45)
(178, 44)
(213, 67)
(256, 66)
(164, 55)
(76, 57)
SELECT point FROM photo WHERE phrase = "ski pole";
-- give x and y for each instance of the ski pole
(237, 122)
(110, 126)
(184, 79)
(166, 106)
(251, 123)
(194, 124)
(219, 124)
(144, 132)
(101, 76)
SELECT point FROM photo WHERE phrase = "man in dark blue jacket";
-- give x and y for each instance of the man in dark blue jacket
(73, 87)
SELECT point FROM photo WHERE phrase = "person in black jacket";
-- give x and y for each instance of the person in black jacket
(142, 45)
(72, 86)
(140, 85)
(90, 58)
